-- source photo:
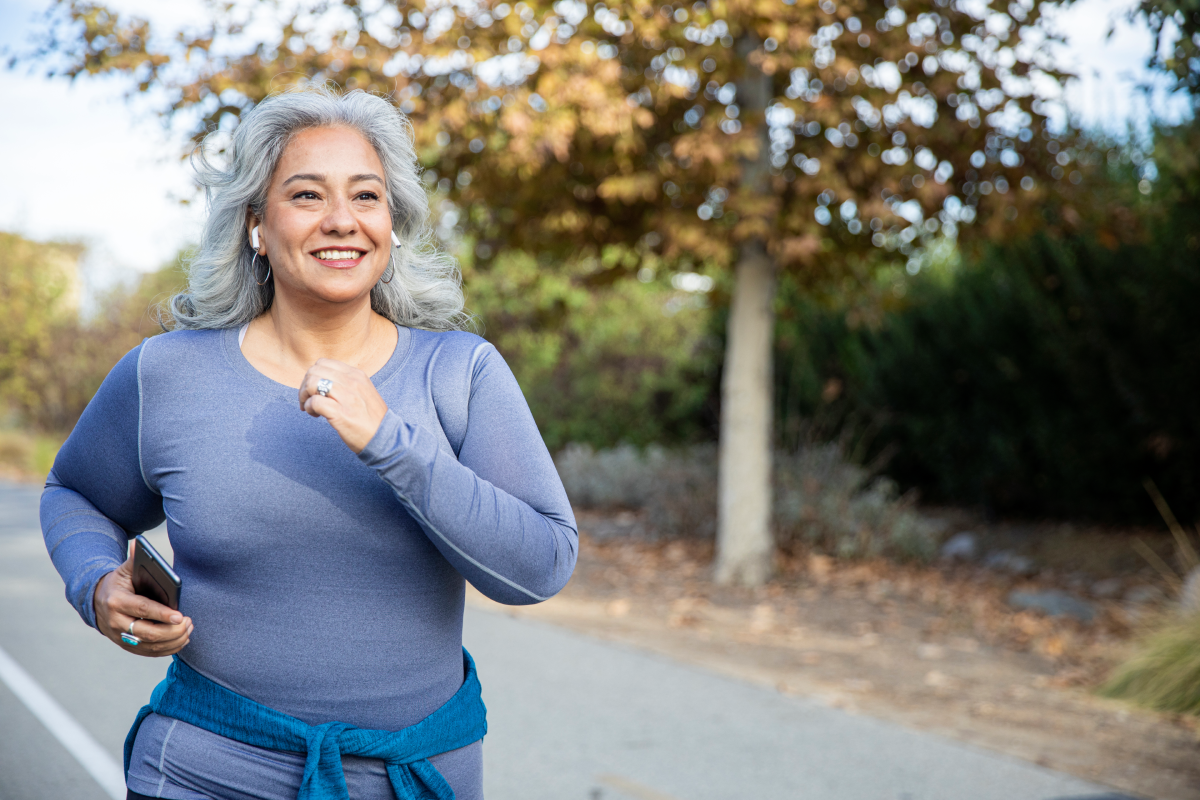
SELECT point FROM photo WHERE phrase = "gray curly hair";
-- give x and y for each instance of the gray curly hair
(426, 289)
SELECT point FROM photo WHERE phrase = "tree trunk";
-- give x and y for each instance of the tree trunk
(744, 542)
(745, 546)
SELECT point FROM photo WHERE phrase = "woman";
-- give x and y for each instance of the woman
(332, 459)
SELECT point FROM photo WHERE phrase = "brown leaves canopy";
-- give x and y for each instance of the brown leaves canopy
(560, 128)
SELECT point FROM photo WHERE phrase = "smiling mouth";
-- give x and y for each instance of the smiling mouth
(338, 255)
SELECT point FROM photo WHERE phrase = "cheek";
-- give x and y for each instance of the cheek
(291, 229)
(381, 228)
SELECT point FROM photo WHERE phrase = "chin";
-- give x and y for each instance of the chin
(341, 296)
(331, 288)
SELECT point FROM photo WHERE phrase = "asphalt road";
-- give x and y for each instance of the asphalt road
(570, 718)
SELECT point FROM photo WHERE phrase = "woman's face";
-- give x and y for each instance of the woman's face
(326, 229)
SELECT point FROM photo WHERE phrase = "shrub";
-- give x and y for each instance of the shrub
(821, 500)
(1045, 376)
(52, 360)
(1165, 672)
(675, 488)
(824, 500)
(601, 359)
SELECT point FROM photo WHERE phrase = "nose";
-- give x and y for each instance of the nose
(340, 219)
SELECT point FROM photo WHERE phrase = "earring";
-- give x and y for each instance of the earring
(254, 270)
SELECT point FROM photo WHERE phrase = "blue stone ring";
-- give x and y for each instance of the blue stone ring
(130, 639)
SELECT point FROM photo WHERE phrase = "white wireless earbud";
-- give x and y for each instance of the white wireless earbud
(254, 237)
(395, 239)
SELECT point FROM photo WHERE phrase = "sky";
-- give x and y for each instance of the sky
(81, 164)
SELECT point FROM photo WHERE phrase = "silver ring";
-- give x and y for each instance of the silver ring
(131, 628)
(324, 387)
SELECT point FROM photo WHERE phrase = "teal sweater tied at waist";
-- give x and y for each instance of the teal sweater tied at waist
(188, 696)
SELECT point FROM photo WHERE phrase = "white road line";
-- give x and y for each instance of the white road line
(79, 743)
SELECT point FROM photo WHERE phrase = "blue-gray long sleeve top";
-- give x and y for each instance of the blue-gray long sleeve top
(326, 584)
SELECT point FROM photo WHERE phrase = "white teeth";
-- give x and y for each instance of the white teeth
(337, 255)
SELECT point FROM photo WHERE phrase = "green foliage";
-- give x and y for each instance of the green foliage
(600, 361)
(1165, 672)
(1049, 375)
(1176, 28)
(51, 360)
(38, 293)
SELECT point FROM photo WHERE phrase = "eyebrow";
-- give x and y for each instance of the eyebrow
(308, 176)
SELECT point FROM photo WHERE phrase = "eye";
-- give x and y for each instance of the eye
(367, 196)
(305, 195)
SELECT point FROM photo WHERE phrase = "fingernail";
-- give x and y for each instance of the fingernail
(176, 619)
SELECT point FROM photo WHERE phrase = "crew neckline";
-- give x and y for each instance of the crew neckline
(232, 339)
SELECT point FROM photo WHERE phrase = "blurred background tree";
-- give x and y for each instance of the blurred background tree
(725, 135)
(1176, 28)
(53, 357)
(632, 362)
(1048, 375)
(39, 292)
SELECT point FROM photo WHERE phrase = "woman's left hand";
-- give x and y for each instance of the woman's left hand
(353, 406)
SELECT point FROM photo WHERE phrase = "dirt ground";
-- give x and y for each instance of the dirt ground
(935, 648)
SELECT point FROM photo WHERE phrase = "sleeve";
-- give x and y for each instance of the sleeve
(499, 512)
(95, 498)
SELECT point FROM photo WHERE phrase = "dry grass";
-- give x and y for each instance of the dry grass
(1164, 674)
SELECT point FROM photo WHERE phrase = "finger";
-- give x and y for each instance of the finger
(157, 649)
(171, 644)
(150, 632)
(134, 606)
(117, 604)
(342, 375)
(317, 406)
(156, 632)
(311, 385)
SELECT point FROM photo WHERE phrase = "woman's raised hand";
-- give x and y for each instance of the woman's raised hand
(162, 631)
(352, 405)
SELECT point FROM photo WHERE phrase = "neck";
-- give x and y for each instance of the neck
(286, 340)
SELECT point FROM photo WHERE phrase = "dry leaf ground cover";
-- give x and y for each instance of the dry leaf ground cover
(931, 647)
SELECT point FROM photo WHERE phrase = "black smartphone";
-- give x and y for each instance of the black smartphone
(153, 576)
